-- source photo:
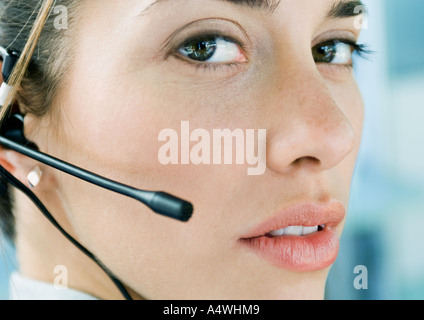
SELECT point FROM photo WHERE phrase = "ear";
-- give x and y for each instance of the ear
(15, 163)
(18, 165)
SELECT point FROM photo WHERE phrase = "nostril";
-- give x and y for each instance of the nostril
(306, 161)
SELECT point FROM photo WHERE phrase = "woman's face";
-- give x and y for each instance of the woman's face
(141, 68)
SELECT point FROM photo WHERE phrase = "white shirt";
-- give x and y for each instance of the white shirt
(22, 288)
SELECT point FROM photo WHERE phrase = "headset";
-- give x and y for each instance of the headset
(12, 137)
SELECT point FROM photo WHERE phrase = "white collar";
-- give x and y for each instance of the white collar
(22, 288)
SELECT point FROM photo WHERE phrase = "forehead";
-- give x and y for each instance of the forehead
(339, 8)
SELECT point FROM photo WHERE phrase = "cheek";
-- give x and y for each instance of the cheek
(120, 135)
(122, 141)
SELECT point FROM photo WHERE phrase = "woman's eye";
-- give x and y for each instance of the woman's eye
(335, 51)
(212, 49)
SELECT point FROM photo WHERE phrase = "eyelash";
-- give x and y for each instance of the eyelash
(359, 49)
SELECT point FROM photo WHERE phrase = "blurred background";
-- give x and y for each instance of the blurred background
(384, 231)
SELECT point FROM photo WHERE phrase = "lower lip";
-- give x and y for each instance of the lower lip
(312, 252)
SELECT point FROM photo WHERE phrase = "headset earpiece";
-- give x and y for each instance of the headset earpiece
(9, 58)
(13, 129)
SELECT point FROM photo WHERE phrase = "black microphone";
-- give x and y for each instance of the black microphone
(12, 137)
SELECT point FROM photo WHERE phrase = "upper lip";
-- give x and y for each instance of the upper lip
(305, 214)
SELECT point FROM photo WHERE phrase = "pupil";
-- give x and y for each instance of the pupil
(325, 53)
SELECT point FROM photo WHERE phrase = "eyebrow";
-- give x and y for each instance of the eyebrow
(346, 9)
(267, 5)
(341, 9)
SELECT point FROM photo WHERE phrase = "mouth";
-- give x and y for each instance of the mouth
(300, 238)
(295, 231)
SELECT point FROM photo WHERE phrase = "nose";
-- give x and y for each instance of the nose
(309, 129)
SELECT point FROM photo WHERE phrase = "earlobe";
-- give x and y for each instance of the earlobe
(23, 168)
(12, 158)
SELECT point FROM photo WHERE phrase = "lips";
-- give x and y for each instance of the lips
(300, 238)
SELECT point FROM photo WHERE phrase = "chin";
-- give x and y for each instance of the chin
(300, 286)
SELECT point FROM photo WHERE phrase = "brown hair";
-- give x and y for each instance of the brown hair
(45, 57)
